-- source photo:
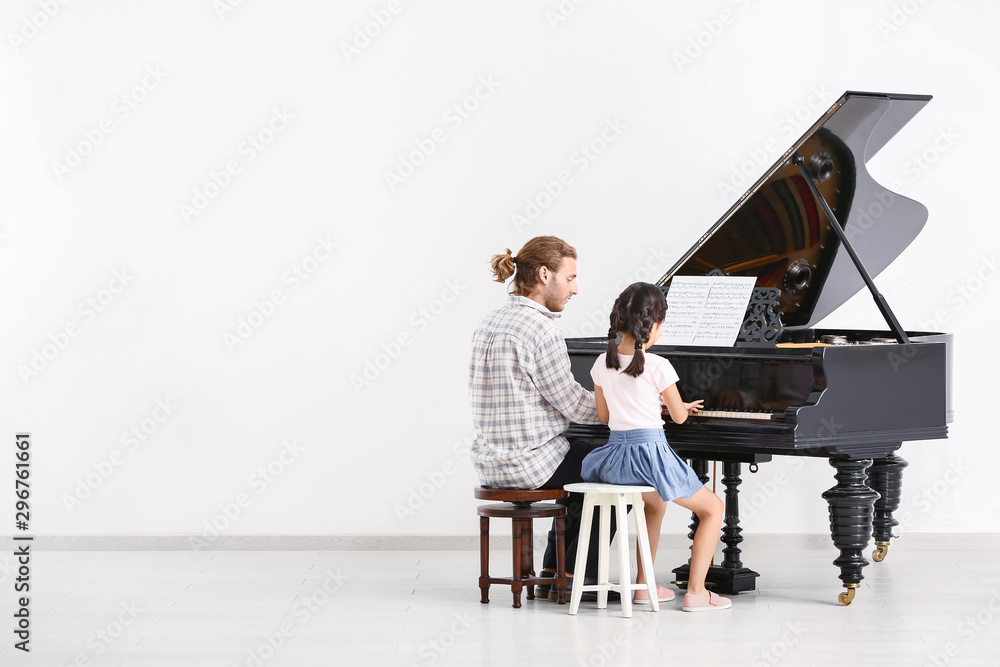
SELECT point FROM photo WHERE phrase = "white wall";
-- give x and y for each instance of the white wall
(411, 260)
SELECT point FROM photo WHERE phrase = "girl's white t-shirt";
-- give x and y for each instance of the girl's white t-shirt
(634, 402)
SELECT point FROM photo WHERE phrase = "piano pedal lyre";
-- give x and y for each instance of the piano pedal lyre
(881, 549)
(847, 597)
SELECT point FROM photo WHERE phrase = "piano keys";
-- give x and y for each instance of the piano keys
(734, 414)
(813, 231)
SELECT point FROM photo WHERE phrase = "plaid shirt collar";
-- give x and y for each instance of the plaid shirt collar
(515, 300)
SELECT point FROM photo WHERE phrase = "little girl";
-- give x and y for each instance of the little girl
(629, 401)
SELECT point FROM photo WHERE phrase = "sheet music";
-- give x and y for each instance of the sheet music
(706, 310)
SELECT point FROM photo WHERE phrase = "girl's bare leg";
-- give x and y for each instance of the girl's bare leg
(710, 510)
(654, 509)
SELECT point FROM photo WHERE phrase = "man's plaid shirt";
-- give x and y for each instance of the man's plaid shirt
(523, 396)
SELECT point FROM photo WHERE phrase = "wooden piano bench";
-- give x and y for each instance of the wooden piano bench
(518, 506)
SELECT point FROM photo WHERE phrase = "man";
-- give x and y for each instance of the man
(523, 392)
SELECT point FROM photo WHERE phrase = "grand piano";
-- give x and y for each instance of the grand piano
(813, 230)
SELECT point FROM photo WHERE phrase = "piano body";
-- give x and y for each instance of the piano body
(812, 230)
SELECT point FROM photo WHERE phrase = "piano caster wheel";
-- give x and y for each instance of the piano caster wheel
(881, 549)
(847, 597)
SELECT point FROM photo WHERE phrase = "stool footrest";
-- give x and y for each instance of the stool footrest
(597, 588)
(534, 581)
(590, 588)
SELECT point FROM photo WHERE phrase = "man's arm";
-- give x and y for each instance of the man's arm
(553, 376)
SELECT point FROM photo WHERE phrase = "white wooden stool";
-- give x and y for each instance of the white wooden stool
(607, 497)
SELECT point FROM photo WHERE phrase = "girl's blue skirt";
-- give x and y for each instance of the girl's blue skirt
(641, 456)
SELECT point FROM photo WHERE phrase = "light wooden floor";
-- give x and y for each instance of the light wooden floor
(422, 608)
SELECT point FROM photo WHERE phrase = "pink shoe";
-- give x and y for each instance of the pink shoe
(710, 602)
(662, 595)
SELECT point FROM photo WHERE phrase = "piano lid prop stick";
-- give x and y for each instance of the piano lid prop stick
(880, 301)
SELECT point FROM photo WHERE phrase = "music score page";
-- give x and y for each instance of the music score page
(706, 310)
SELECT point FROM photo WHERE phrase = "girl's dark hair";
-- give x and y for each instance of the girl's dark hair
(635, 312)
(547, 251)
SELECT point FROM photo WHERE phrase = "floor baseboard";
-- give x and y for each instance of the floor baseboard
(910, 541)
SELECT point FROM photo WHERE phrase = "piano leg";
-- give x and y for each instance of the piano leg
(731, 531)
(730, 577)
(852, 504)
(738, 578)
(886, 477)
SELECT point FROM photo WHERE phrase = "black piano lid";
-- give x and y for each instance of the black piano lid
(777, 233)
